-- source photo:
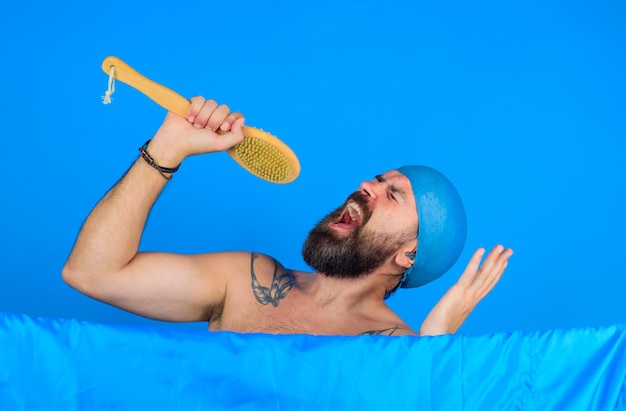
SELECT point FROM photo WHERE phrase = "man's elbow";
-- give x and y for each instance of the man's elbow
(69, 274)
(75, 278)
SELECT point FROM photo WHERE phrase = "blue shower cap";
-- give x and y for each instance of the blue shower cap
(442, 225)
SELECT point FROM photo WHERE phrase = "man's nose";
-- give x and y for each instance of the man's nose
(371, 189)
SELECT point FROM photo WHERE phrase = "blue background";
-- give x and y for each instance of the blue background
(521, 104)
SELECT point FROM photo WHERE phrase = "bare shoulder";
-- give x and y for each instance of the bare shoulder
(246, 268)
(264, 263)
(270, 280)
(255, 288)
(253, 274)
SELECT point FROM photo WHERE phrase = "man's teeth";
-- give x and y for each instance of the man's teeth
(355, 211)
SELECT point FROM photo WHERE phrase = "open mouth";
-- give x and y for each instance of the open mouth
(350, 218)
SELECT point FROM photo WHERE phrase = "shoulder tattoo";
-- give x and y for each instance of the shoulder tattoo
(386, 331)
(281, 284)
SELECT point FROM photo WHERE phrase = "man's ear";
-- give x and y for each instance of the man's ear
(406, 254)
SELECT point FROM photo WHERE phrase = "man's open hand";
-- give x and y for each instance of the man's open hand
(460, 300)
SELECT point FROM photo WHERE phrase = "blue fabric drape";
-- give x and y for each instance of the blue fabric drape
(59, 364)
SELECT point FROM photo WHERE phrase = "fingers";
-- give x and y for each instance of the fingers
(480, 279)
(468, 276)
(237, 126)
(234, 137)
(229, 121)
(217, 117)
(200, 110)
(492, 269)
(208, 114)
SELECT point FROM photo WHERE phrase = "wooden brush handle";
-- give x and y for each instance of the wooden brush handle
(261, 153)
(166, 98)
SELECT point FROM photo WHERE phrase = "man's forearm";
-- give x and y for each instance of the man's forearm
(110, 236)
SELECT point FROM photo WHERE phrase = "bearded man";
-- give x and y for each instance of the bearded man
(404, 228)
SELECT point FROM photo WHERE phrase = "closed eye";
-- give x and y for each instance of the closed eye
(390, 188)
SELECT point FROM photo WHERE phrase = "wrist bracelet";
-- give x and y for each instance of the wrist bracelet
(148, 158)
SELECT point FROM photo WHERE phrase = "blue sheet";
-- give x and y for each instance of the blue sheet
(60, 364)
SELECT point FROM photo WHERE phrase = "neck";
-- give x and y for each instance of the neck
(348, 292)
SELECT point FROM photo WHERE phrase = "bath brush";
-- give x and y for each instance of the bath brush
(261, 153)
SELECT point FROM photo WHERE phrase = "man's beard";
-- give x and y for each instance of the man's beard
(355, 255)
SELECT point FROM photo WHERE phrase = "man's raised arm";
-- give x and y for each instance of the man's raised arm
(105, 263)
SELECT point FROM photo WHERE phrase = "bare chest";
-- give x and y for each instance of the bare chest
(299, 315)
(292, 315)
(274, 300)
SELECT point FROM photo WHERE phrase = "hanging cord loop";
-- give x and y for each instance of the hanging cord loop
(106, 99)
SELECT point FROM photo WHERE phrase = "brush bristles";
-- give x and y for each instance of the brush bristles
(263, 159)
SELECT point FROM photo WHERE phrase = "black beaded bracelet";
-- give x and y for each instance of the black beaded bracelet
(153, 164)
